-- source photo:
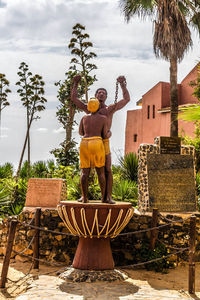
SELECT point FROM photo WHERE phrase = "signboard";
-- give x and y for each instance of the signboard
(45, 192)
(170, 145)
(171, 182)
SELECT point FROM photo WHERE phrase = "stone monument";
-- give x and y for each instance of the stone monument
(166, 176)
(45, 192)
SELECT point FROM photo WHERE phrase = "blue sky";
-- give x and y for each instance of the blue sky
(37, 32)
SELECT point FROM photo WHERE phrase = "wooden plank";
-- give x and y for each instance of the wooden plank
(154, 232)
(6, 262)
(191, 279)
(36, 245)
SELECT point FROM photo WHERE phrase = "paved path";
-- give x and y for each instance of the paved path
(54, 288)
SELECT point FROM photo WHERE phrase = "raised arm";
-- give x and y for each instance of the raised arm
(126, 97)
(74, 94)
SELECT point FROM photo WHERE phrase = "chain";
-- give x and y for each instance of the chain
(152, 260)
(117, 90)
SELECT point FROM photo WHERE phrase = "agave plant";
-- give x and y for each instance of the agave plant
(40, 169)
(6, 170)
(125, 190)
(129, 166)
(24, 170)
(12, 196)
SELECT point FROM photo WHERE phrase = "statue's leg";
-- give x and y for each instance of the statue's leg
(102, 180)
(109, 180)
(84, 184)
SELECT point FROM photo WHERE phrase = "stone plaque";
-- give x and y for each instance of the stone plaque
(170, 145)
(45, 192)
(171, 182)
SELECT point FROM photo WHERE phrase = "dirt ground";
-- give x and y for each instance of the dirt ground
(176, 279)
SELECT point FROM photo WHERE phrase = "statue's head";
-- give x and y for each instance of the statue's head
(101, 95)
(93, 105)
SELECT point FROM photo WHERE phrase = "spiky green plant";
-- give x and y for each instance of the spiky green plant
(129, 166)
(12, 196)
(40, 169)
(6, 170)
(125, 190)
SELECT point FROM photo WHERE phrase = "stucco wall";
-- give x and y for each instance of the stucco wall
(148, 128)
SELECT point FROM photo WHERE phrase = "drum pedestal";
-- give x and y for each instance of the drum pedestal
(93, 254)
(95, 223)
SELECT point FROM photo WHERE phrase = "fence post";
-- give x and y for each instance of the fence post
(36, 245)
(154, 232)
(11, 237)
(191, 279)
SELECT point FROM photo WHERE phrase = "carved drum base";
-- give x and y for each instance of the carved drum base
(93, 254)
(95, 223)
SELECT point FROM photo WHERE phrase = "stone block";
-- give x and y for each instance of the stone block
(45, 192)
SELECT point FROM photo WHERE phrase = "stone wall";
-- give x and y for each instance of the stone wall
(126, 249)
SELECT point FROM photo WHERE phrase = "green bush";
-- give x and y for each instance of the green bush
(125, 190)
(6, 170)
(187, 140)
(129, 166)
(147, 254)
(12, 196)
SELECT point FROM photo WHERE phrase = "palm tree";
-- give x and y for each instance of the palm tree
(172, 36)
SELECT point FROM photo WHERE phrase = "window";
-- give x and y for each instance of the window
(148, 112)
(153, 111)
(135, 138)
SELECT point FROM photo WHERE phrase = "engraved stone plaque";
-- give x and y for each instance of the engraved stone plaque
(45, 192)
(170, 145)
(171, 182)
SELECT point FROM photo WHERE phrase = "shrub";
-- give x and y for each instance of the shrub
(125, 190)
(6, 170)
(129, 166)
(12, 196)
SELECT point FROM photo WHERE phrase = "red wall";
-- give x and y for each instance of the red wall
(147, 129)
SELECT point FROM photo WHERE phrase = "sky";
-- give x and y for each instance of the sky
(38, 32)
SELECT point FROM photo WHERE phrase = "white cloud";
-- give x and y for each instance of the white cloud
(3, 136)
(59, 130)
(5, 128)
(42, 129)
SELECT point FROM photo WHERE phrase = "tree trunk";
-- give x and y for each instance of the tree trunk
(24, 147)
(29, 156)
(70, 124)
(173, 97)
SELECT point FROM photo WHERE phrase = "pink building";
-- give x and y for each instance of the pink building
(153, 118)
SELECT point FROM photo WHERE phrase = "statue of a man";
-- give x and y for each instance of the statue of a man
(93, 127)
(108, 111)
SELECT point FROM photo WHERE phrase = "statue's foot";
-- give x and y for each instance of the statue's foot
(83, 200)
(109, 201)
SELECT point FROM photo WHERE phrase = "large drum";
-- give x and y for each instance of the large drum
(95, 223)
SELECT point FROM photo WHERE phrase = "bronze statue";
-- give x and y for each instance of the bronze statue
(107, 111)
(93, 128)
